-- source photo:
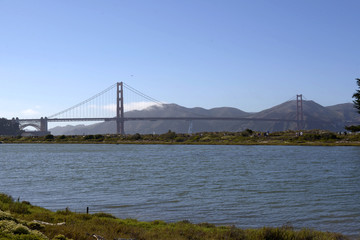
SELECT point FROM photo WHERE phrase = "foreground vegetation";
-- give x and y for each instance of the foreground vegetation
(22, 221)
(247, 137)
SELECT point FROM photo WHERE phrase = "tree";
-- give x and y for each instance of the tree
(353, 128)
(356, 102)
(357, 96)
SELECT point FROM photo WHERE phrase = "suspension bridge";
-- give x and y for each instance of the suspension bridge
(111, 105)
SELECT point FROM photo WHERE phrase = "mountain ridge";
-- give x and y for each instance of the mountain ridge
(316, 116)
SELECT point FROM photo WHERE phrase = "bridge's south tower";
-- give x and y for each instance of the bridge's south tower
(120, 109)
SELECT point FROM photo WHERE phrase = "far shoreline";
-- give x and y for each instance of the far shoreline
(247, 137)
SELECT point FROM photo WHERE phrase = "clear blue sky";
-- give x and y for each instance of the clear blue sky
(251, 54)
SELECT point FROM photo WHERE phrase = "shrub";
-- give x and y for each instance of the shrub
(104, 215)
(62, 137)
(247, 132)
(88, 137)
(195, 138)
(6, 198)
(328, 136)
(206, 225)
(26, 203)
(19, 208)
(49, 137)
(136, 136)
(60, 237)
(99, 137)
(179, 139)
(311, 137)
(35, 226)
(169, 135)
(353, 128)
(21, 230)
(6, 216)
(158, 222)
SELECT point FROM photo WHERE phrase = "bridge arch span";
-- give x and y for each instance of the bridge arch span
(23, 126)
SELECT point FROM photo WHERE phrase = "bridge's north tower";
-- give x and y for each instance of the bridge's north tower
(299, 112)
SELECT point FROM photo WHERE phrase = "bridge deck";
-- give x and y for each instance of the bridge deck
(160, 118)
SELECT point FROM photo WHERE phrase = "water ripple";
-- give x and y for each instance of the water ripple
(247, 186)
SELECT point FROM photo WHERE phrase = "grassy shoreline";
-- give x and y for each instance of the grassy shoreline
(247, 137)
(17, 221)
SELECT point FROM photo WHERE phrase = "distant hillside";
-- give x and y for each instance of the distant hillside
(315, 116)
(346, 111)
(332, 118)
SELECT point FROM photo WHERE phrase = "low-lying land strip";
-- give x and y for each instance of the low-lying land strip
(22, 221)
(247, 137)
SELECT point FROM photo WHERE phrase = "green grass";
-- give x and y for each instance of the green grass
(21, 225)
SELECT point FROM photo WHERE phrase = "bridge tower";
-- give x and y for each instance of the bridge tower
(120, 109)
(44, 124)
(299, 112)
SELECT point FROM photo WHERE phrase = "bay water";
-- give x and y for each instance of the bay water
(245, 186)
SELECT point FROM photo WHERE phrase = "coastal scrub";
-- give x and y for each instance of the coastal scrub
(38, 223)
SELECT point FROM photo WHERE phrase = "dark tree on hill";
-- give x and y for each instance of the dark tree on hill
(356, 96)
(9, 127)
(356, 102)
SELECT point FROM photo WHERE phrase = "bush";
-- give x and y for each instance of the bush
(60, 237)
(103, 215)
(136, 136)
(169, 135)
(21, 230)
(180, 139)
(99, 137)
(328, 136)
(311, 137)
(49, 137)
(158, 222)
(88, 137)
(353, 128)
(246, 133)
(19, 208)
(206, 225)
(6, 198)
(195, 138)
(35, 226)
(26, 203)
(6, 216)
(62, 137)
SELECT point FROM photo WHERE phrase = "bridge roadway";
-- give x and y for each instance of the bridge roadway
(160, 118)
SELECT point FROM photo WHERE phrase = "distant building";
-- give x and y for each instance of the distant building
(9, 127)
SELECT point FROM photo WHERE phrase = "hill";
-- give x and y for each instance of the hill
(332, 118)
